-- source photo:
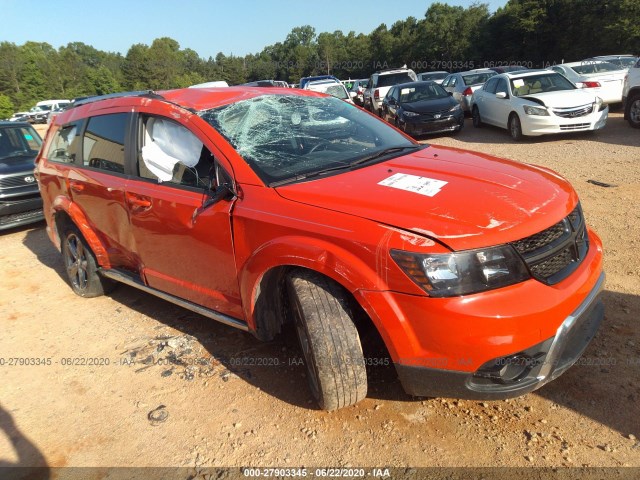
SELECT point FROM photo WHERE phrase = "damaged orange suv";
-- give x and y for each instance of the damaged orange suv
(276, 209)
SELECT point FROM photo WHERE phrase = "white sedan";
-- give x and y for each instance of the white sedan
(537, 102)
(603, 77)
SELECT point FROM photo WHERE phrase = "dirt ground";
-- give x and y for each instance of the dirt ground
(130, 380)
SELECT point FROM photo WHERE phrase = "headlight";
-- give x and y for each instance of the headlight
(455, 108)
(410, 114)
(535, 110)
(463, 273)
(597, 105)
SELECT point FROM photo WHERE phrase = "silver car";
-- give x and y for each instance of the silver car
(462, 85)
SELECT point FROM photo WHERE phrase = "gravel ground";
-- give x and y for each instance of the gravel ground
(165, 389)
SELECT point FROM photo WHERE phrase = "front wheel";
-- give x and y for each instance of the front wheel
(81, 266)
(515, 128)
(475, 114)
(633, 111)
(328, 338)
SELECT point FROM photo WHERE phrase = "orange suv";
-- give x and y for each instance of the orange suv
(276, 209)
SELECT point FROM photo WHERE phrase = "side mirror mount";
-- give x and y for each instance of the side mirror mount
(450, 94)
(501, 95)
(222, 192)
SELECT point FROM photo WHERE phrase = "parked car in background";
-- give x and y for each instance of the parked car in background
(380, 83)
(358, 87)
(537, 102)
(631, 95)
(305, 80)
(287, 212)
(19, 117)
(420, 108)
(462, 85)
(604, 78)
(509, 68)
(437, 76)
(20, 201)
(623, 61)
(330, 87)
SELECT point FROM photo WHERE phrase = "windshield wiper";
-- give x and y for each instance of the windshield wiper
(346, 166)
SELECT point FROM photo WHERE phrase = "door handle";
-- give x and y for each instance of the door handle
(75, 186)
(137, 201)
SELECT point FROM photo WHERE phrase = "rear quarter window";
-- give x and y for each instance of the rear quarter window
(65, 145)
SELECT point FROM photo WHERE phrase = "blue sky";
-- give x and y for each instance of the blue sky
(206, 26)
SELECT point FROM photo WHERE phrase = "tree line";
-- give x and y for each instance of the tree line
(534, 33)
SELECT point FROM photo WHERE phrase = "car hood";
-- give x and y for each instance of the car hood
(425, 106)
(485, 201)
(562, 99)
(17, 164)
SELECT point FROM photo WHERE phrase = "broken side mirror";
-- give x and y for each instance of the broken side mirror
(222, 192)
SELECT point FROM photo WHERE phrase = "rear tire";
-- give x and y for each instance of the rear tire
(515, 128)
(633, 110)
(81, 266)
(328, 338)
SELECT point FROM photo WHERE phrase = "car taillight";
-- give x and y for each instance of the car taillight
(376, 94)
(591, 84)
(467, 92)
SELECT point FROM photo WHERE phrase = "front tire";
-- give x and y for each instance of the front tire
(329, 339)
(633, 111)
(475, 115)
(81, 266)
(515, 128)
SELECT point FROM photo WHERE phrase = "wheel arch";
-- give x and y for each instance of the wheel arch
(65, 212)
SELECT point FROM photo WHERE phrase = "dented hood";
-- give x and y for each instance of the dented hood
(485, 201)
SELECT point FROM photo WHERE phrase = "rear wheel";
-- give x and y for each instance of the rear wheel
(81, 266)
(515, 128)
(329, 340)
(633, 110)
(475, 114)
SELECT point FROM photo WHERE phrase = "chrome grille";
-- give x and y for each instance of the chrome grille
(573, 112)
(16, 181)
(553, 254)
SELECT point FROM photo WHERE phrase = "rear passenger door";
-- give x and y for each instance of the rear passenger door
(96, 184)
(182, 250)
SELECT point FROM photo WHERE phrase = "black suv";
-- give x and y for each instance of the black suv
(20, 201)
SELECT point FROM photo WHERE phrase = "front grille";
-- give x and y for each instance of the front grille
(553, 254)
(16, 181)
(575, 126)
(573, 112)
(441, 113)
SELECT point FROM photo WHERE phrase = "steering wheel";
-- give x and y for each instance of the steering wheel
(322, 143)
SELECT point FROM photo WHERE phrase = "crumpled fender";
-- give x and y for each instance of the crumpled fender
(62, 203)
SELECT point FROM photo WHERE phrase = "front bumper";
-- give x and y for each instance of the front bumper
(519, 373)
(425, 125)
(542, 125)
(16, 211)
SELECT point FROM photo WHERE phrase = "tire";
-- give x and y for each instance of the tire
(515, 128)
(633, 110)
(475, 115)
(81, 267)
(328, 338)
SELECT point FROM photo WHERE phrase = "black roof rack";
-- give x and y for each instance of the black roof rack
(97, 98)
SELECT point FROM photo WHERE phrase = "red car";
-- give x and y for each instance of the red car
(277, 209)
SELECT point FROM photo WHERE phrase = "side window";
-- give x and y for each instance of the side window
(170, 153)
(103, 142)
(65, 145)
(502, 86)
(452, 82)
(490, 86)
(445, 82)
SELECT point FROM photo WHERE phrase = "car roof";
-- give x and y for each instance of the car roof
(415, 84)
(7, 123)
(390, 71)
(527, 73)
(194, 99)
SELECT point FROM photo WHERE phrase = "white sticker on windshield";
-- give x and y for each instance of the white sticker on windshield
(412, 183)
(518, 82)
(404, 91)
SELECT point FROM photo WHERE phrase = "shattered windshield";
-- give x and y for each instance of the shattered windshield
(285, 137)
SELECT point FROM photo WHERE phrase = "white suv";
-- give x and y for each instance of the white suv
(631, 96)
(380, 83)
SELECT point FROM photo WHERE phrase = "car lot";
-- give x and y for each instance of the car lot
(107, 365)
